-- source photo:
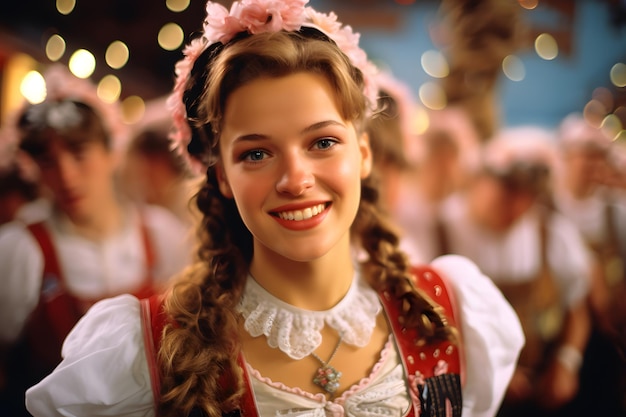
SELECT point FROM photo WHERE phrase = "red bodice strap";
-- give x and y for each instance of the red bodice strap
(434, 371)
(58, 311)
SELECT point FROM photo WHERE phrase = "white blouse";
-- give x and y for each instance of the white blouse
(515, 255)
(91, 269)
(105, 372)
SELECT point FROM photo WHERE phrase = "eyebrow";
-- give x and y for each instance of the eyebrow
(308, 129)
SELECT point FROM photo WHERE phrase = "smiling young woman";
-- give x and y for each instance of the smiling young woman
(300, 302)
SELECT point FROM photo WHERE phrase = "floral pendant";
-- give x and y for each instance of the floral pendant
(327, 377)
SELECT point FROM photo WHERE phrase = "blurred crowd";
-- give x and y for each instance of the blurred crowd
(542, 213)
(88, 212)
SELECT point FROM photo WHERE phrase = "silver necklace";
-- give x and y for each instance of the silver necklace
(326, 376)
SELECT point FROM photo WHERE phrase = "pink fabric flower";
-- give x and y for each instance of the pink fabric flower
(348, 41)
(326, 22)
(253, 16)
(181, 133)
(220, 25)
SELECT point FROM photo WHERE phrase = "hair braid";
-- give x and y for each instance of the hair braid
(195, 354)
(387, 267)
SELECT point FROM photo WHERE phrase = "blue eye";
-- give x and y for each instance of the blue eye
(325, 143)
(254, 155)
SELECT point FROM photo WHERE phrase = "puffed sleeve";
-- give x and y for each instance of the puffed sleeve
(104, 371)
(491, 333)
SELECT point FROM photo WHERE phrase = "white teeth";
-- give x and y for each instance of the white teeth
(298, 215)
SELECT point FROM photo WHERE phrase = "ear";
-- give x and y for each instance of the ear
(222, 181)
(366, 154)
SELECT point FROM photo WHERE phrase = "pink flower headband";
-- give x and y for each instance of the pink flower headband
(254, 17)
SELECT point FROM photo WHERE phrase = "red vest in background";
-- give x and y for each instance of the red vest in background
(58, 311)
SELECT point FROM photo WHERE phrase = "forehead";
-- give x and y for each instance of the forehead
(280, 103)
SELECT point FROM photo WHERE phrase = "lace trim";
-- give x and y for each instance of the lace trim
(385, 355)
(296, 331)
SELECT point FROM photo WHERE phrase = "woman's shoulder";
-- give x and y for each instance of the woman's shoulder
(104, 324)
(463, 275)
(105, 355)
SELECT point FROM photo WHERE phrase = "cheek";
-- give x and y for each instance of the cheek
(249, 190)
(344, 177)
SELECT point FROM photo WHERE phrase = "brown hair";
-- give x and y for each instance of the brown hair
(154, 143)
(204, 344)
(72, 121)
(386, 136)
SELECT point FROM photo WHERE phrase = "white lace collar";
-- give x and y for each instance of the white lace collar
(296, 331)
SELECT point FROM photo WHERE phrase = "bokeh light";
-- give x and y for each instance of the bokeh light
(435, 64)
(594, 112)
(612, 125)
(618, 75)
(177, 5)
(82, 63)
(620, 138)
(546, 46)
(513, 68)
(420, 121)
(55, 47)
(433, 96)
(33, 87)
(66, 7)
(117, 54)
(605, 97)
(109, 89)
(528, 4)
(171, 36)
(133, 109)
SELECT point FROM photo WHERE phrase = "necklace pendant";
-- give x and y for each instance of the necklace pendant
(327, 377)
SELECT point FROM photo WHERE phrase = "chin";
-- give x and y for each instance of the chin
(307, 256)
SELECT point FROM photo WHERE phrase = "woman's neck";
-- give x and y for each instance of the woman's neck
(316, 285)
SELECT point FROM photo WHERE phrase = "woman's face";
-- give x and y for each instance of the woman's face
(293, 165)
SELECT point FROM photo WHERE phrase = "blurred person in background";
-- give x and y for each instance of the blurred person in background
(443, 155)
(152, 173)
(505, 222)
(91, 246)
(590, 192)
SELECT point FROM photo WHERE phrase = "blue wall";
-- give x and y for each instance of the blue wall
(550, 90)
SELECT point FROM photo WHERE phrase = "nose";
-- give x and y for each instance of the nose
(296, 176)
